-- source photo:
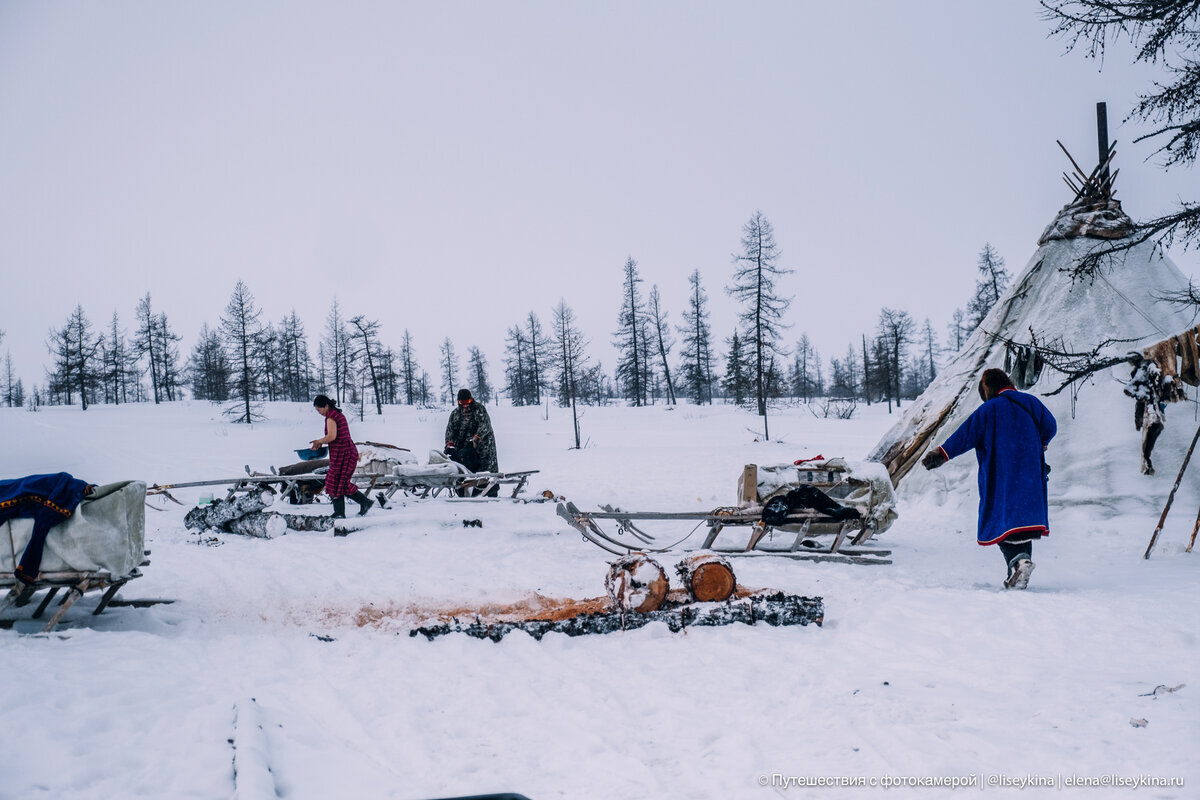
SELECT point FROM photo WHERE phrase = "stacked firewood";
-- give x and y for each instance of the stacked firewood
(245, 515)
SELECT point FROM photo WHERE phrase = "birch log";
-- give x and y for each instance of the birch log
(258, 524)
(223, 511)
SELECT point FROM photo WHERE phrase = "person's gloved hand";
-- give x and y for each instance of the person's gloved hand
(934, 458)
(449, 448)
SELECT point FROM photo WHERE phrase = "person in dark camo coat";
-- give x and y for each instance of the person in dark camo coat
(469, 437)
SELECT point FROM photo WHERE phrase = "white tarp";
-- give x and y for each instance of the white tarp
(107, 533)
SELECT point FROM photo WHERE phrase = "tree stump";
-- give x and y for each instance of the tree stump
(637, 583)
(707, 577)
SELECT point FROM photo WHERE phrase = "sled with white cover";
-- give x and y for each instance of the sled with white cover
(805, 534)
(99, 548)
(384, 469)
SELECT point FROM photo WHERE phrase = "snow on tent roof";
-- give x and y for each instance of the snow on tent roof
(1096, 455)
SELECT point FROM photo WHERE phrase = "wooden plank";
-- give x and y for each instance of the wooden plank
(760, 530)
(56, 578)
(800, 535)
(841, 558)
(743, 518)
(41, 609)
(574, 523)
(713, 529)
(748, 484)
(138, 603)
(11, 597)
(626, 525)
(841, 537)
(73, 595)
(108, 596)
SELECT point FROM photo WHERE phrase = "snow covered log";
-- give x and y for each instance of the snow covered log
(636, 582)
(707, 577)
(258, 524)
(224, 511)
(244, 515)
(775, 609)
(252, 777)
(309, 522)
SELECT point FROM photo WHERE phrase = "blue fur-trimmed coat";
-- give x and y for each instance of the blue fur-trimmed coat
(1008, 434)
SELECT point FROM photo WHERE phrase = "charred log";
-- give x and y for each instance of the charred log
(776, 609)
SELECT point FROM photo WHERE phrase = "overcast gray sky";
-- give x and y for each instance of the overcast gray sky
(447, 167)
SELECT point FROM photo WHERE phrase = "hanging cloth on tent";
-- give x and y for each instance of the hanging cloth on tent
(1163, 354)
(1023, 363)
(1189, 356)
(1149, 411)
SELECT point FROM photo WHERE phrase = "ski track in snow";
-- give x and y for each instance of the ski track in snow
(922, 668)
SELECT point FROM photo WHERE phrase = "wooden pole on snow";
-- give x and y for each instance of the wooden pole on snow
(1195, 528)
(1171, 496)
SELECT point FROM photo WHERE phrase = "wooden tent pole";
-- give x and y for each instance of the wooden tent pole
(1195, 528)
(1171, 496)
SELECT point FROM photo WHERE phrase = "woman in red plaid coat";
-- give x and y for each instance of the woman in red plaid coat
(343, 459)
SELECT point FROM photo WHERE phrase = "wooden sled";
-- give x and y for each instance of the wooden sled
(431, 485)
(630, 538)
(477, 484)
(77, 585)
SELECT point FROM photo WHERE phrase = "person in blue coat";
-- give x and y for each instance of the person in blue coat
(1009, 434)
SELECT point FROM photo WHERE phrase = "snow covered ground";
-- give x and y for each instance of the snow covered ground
(297, 649)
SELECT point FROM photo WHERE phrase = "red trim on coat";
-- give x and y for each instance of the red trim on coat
(1023, 529)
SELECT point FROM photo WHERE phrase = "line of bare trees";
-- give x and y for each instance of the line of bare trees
(243, 361)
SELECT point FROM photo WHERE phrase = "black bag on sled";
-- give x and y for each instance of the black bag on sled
(776, 511)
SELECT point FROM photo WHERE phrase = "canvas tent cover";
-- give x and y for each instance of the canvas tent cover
(107, 533)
